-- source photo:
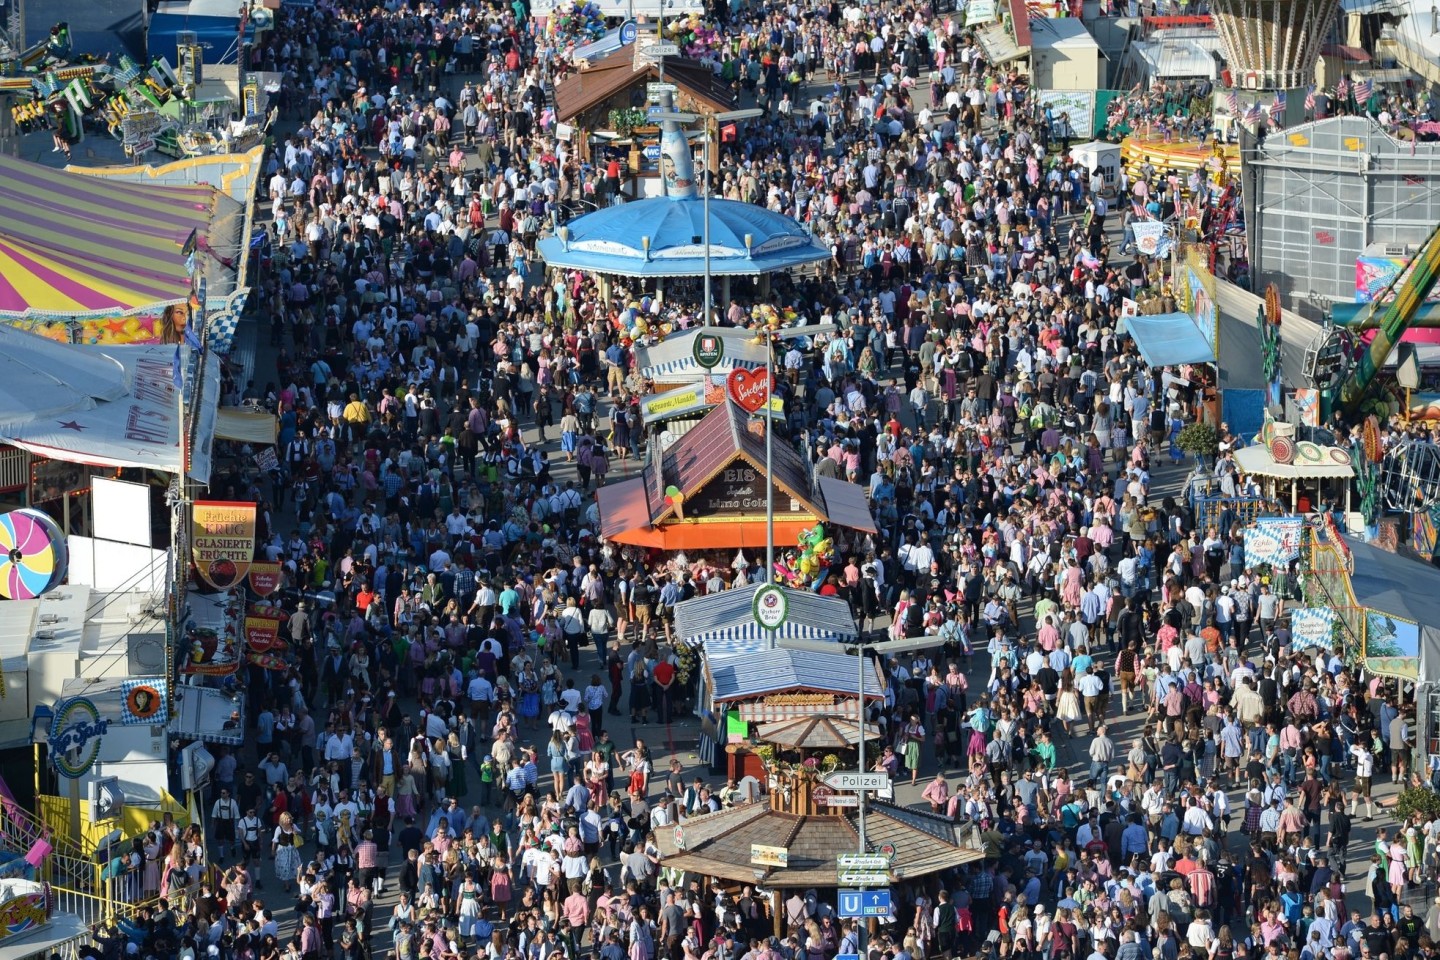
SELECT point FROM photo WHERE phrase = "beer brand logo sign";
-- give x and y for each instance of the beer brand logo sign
(709, 350)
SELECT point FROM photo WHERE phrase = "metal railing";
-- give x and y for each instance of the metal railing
(20, 829)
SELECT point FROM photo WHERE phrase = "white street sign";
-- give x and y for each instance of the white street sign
(654, 91)
(873, 862)
(858, 780)
(855, 879)
(663, 49)
(841, 800)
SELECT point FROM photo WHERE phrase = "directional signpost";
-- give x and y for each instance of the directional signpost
(863, 870)
(858, 780)
(873, 862)
(863, 879)
(864, 903)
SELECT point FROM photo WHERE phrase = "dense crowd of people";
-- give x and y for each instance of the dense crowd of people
(462, 641)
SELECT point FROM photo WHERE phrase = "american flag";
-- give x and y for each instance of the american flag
(1253, 113)
(1342, 88)
(1233, 99)
(1277, 109)
(1363, 89)
(1310, 97)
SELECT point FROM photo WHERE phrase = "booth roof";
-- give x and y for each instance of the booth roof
(723, 620)
(610, 240)
(617, 71)
(719, 844)
(74, 245)
(1256, 459)
(780, 670)
(1404, 586)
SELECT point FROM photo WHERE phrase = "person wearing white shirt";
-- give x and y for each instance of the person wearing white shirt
(1196, 821)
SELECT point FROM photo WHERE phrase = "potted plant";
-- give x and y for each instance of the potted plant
(1413, 800)
(1199, 440)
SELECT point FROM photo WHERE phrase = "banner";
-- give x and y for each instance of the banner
(261, 633)
(1307, 405)
(1374, 274)
(222, 540)
(1311, 627)
(1072, 108)
(145, 701)
(1392, 645)
(1423, 535)
(1150, 238)
(265, 578)
(1274, 541)
(979, 11)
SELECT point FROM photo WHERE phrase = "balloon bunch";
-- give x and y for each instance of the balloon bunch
(582, 22)
(637, 321)
(806, 566)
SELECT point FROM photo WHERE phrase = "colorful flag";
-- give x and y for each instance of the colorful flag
(1253, 113)
(1279, 105)
(1342, 89)
(1363, 89)
(1233, 99)
(1310, 97)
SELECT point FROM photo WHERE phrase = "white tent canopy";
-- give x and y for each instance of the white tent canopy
(138, 426)
(42, 378)
(1257, 460)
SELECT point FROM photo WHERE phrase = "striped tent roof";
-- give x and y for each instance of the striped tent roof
(787, 671)
(73, 245)
(723, 623)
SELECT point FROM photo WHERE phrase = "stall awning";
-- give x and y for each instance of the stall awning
(1257, 460)
(723, 622)
(789, 671)
(624, 508)
(208, 715)
(247, 426)
(1167, 339)
(673, 359)
(846, 505)
(703, 535)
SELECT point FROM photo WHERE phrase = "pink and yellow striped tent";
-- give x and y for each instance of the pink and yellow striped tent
(76, 246)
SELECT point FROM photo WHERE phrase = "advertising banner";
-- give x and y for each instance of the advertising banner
(222, 539)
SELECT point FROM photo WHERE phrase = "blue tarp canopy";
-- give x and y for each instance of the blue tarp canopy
(215, 23)
(1167, 339)
(611, 240)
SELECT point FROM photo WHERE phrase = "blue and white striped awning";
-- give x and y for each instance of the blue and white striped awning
(724, 623)
(673, 359)
(783, 671)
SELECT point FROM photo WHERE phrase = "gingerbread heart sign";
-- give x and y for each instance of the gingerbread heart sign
(749, 389)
